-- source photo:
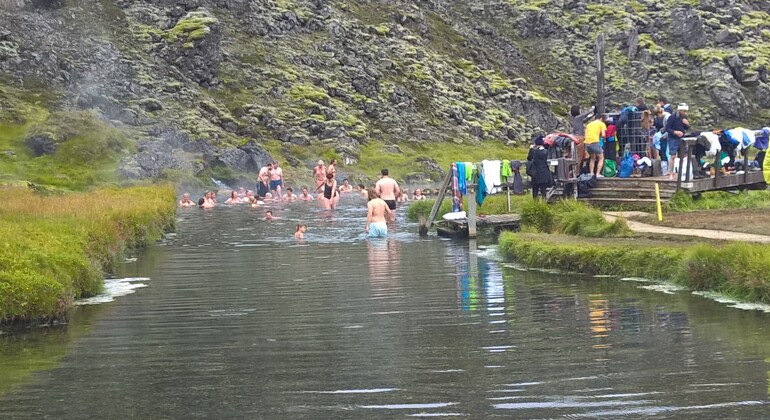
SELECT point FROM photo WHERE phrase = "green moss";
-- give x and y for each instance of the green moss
(755, 19)
(194, 26)
(306, 91)
(381, 30)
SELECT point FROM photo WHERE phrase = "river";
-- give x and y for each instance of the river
(236, 319)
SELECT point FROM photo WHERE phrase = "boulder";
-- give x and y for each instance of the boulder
(687, 28)
(725, 91)
(152, 158)
(763, 95)
(41, 144)
(728, 37)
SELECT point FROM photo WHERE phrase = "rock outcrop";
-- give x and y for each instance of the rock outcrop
(201, 84)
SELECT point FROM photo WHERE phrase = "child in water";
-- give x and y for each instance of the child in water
(300, 233)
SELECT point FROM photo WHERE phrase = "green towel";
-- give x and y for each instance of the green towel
(468, 171)
(506, 171)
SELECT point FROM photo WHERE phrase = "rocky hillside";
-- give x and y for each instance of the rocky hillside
(217, 87)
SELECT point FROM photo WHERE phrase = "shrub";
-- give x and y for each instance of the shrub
(537, 214)
(423, 207)
(578, 219)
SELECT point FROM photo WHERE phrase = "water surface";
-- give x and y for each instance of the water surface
(239, 320)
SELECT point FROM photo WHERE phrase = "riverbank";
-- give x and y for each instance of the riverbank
(740, 270)
(59, 247)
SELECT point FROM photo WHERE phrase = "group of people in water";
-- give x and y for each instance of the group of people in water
(382, 197)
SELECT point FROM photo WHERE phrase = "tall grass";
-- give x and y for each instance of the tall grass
(57, 247)
(570, 217)
(496, 204)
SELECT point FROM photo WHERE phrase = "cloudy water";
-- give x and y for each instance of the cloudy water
(231, 317)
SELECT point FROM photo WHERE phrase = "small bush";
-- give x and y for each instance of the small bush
(537, 214)
(578, 219)
(423, 207)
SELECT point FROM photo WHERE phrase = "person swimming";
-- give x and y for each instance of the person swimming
(269, 216)
(305, 196)
(234, 199)
(185, 201)
(346, 187)
(289, 196)
(300, 232)
(417, 196)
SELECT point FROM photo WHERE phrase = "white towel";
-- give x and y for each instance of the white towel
(714, 140)
(491, 171)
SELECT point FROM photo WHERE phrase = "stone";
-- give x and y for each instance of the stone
(152, 105)
(633, 43)
(750, 80)
(687, 28)
(41, 144)
(392, 149)
(763, 95)
(728, 37)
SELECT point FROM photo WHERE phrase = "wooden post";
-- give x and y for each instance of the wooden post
(745, 166)
(679, 154)
(439, 199)
(471, 215)
(600, 73)
(508, 192)
(689, 162)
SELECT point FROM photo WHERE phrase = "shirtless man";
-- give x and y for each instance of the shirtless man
(332, 169)
(377, 215)
(289, 196)
(363, 192)
(346, 187)
(319, 173)
(276, 180)
(305, 196)
(263, 180)
(185, 201)
(387, 188)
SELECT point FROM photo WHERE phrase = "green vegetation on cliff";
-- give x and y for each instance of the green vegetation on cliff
(58, 247)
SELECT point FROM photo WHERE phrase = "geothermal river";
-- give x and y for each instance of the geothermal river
(231, 318)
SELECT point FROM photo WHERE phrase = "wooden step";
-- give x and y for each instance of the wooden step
(632, 201)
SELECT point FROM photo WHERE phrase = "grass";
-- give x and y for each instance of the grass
(740, 270)
(719, 200)
(570, 217)
(496, 204)
(57, 247)
(87, 151)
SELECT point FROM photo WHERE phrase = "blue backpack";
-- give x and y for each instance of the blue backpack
(626, 166)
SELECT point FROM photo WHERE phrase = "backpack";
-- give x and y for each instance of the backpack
(610, 168)
(626, 166)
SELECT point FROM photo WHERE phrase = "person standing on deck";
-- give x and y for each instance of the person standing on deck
(541, 174)
(676, 127)
(579, 131)
(377, 214)
(387, 189)
(595, 132)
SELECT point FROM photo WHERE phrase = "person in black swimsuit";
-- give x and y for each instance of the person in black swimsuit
(331, 196)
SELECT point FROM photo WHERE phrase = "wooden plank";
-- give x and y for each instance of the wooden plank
(439, 199)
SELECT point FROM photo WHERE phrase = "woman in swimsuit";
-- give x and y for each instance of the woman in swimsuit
(319, 173)
(330, 194)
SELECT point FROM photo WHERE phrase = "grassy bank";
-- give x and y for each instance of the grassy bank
(58, 247)
(740, 270)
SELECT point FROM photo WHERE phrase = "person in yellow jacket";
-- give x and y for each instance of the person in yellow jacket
(595, 131)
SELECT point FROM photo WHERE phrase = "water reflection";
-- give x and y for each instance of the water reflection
(255, 324)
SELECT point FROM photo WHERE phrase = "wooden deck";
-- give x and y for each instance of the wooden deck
(641, 191)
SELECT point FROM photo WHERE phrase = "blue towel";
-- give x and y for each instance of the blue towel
(461, 183)
(481, 190)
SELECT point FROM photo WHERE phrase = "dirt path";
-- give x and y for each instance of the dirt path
(701, 233)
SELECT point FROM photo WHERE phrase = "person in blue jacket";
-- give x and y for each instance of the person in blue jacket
(676, 126)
